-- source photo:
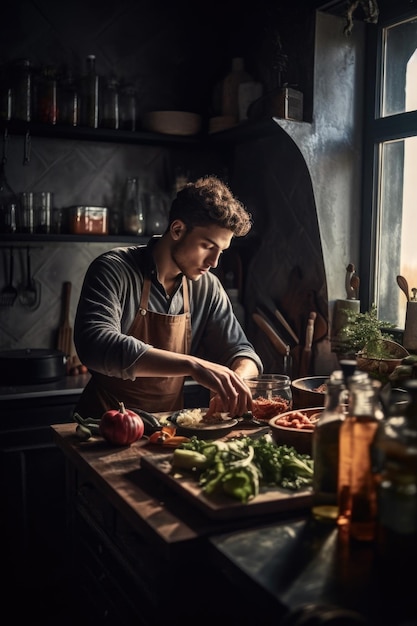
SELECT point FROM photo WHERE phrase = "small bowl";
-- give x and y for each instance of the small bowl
(172, 122)
(299, 438)
(309, 391)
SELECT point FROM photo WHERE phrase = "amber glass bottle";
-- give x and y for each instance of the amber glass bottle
(357, 490)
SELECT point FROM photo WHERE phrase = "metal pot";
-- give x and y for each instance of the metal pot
(32, 366)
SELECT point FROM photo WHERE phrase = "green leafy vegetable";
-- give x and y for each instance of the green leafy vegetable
(239, 467)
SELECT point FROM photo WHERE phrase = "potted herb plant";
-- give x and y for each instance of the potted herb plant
(367, 339)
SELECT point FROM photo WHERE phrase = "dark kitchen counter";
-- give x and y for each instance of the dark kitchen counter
(278, 563)
(66, 386)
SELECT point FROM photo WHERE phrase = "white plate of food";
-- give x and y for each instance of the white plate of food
(191, 422)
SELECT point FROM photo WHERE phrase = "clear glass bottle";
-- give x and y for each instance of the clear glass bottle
(22, 90)
(68, 100)
(109, 109)
(357, 489)
(127, 107)
(325, 449)
(90, 94)
(396, 444)
(134, 209)
(156, 212)
(8, 204)
(5, 92)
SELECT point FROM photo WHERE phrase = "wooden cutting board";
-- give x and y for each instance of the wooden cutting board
(271, 500)
(65, 330)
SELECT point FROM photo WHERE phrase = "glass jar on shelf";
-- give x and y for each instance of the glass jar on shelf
(68, 99)
(109, 106)
(134, 208)
(156, 213)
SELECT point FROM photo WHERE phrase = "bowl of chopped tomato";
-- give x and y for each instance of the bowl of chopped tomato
(309, 391)
(295, 428)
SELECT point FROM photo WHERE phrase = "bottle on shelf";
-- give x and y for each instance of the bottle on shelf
(8, 203)
(109, 104)
(90, 94)
(230, 89)
(325, 449)
(22, 90)
(357, 480)
(68, 99)
(46, 96)
(134, 209)
(128, 107)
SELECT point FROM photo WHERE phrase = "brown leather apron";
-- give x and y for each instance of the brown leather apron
(167, 332)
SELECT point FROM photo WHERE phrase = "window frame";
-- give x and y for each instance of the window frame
(377, 130)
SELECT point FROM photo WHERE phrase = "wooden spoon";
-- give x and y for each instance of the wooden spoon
(403, 285)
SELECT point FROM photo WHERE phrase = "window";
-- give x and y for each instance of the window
(389, 241)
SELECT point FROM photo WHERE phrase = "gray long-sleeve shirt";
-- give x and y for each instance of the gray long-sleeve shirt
(109, 302)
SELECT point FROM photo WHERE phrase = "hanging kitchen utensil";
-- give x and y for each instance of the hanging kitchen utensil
(29, 295)
(65, 330)
(8, 294)
(403, 285)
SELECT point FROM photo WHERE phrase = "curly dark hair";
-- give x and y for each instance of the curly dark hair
(209, 200)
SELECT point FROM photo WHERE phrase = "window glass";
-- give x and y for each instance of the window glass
(399, 59)
(397, 226)
(396, 173)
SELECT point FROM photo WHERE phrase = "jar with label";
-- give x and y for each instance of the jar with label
(134, 209)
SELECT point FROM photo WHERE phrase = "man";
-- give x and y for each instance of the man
(150, 315)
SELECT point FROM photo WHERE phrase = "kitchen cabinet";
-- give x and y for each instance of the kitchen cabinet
(32, 482)
(139, 553)
(35, 553)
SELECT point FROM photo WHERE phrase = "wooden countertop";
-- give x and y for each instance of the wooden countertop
(145, 502)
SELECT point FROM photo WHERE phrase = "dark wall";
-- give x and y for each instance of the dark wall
(175, 52)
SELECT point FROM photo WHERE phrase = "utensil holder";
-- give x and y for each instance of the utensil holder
(410, 329)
